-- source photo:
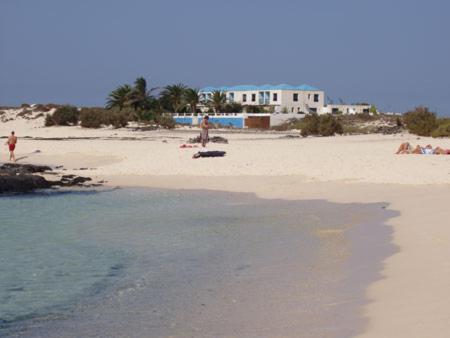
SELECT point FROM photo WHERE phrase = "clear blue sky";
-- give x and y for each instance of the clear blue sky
(394, 53)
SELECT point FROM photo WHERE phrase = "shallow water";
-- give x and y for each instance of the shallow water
(155, 263)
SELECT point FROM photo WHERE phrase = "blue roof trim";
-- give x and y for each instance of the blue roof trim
(263, 87)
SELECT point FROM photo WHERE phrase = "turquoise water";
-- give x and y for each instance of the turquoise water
(141, 262)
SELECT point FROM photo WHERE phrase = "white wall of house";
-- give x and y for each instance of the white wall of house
(305, 101)
(280, 100)
(347, 109)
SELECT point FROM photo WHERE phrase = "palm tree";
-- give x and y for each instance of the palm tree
(174, 95)
(217, 100)
(192, 97)
(140, 97)
(119, 97)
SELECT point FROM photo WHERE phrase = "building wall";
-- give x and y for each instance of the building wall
(305, 101)
(346, 108)
(285, 100)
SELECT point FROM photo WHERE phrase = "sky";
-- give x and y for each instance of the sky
(392, 53)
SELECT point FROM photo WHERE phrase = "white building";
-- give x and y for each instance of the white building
(282, 98)
(346, 109)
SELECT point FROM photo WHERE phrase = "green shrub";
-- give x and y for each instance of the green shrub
(63, 116)
(323, 125)
(166, 121)
(94, 117)
(364, 117)
(98, 117)
(420, 121)
(329, 125)
(310, 125)
(118, 119)
(443, 129)
(49, 120)
(146, 116)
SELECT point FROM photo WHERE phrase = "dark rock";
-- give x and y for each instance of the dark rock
(16, 168)
(20, 178)
(79, 180)
(67, 177)
(22, 183)
(71, 180)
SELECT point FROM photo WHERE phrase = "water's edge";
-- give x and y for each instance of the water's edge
(368, 239)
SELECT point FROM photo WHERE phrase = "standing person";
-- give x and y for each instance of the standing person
(204, 134)
(12, 141)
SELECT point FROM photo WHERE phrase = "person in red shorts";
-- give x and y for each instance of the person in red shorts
(12, 141)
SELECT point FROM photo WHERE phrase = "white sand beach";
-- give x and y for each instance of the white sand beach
(412, 298)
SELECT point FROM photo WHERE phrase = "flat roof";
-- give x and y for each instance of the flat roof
(303, 87)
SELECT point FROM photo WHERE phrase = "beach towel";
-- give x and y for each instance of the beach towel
(214, 153)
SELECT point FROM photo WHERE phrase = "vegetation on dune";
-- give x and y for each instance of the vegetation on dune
(443, 128)
(420, 121)
(322, 125)
(314, 125)
(166, 121)
(99, 117)
(63, 116)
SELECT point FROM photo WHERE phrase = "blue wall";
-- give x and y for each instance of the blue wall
(234, 121)
(183, 120)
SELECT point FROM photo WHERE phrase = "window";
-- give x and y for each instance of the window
(295, 98)
(253, 97)
(275, 97)
(292, 109)
(313, 110)
(316, 97)
(244, 97)
(231, 97)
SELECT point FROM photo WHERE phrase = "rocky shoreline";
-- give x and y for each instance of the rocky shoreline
(24, 178)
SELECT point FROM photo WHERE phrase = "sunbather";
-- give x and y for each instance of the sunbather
(407, 148)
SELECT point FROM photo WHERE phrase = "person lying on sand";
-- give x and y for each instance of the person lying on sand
(407, 148)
